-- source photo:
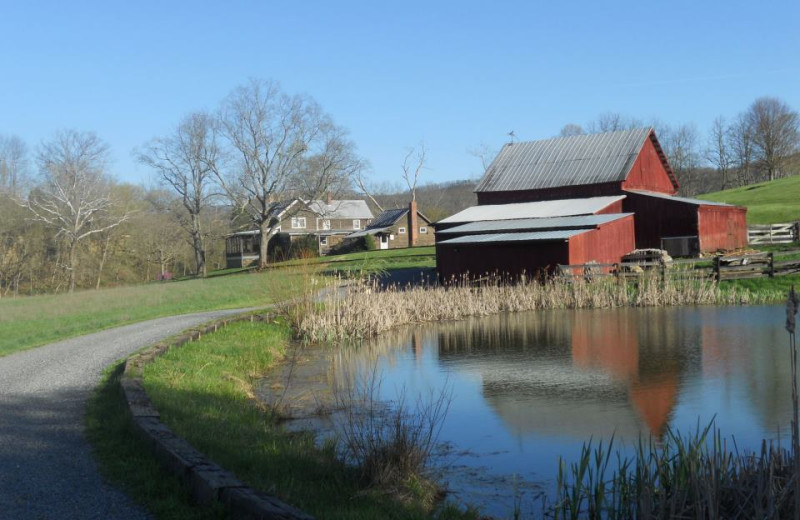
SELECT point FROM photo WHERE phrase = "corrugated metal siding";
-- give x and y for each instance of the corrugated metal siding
(583, 221)
(539, 209)
(536, 236)
(564, 161)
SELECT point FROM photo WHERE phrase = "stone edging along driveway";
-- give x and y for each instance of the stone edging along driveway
(207, 481)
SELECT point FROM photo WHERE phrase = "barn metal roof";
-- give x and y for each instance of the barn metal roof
(564, 161)
(340, 208)
(539, 209)
(535, 236)
(687, 200)
(579, 222)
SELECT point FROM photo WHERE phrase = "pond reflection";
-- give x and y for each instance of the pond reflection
(530, 387)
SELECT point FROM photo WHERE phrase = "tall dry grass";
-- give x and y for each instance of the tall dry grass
(365, 309)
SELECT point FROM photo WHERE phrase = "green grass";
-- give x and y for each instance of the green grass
(767, 202)
(32, 321)
(27, 322)
(125, 460)
(370, 262)
(203, 391)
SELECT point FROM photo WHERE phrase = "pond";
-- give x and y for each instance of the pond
(530, 387)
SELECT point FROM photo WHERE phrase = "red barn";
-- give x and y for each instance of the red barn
(629, 165)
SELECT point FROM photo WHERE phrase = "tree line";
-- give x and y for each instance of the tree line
(65, 223)
(70, 225)
(761, 143)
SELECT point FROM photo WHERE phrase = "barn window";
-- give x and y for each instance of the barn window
(298, 222)
(423, 230)
(401, 231)
(323, 241)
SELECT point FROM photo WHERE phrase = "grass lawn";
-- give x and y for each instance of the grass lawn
(27, 322)
(767, 202)
(203, 391)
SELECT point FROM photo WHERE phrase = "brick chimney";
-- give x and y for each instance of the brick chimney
(328, 198)
(413, 230)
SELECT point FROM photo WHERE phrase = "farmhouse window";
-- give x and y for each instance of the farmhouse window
(298, 222)
(326, 224)
(401, 231)
(356, 224)
(323, 241)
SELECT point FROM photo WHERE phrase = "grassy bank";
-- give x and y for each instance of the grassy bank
(125, 459)
(204, 392)
(767, 202)
(32, 321)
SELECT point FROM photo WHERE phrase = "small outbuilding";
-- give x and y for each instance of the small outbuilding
(399, 228)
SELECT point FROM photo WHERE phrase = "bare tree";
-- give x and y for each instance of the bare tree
(74, 197)
(362, 185)
(718, 152)
(413, 163)
(13, 164)
(741, 145)
(571, 129)
(681, 147)
(775, 133)
(185, 162)
(484, 153)
(282, 147)
(612, 122)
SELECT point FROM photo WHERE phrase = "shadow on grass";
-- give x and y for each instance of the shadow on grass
(125, 459)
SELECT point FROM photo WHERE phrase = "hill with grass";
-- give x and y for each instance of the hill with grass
(767, 202)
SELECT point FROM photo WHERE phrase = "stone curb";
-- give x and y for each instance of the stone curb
(207, 481)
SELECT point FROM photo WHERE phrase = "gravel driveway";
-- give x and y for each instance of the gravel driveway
(46, 465)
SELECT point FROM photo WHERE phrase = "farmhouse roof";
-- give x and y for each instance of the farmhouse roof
(390, 216)
(568, 161)
(340, 208)
(532, 224)
(538, 209)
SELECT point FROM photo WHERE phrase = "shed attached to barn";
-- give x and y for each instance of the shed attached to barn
(623, 173)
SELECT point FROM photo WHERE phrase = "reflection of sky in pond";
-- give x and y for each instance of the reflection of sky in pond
(530, 387)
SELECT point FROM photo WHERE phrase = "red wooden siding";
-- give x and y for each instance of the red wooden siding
(722, 227)
(509, 258)
(657, 218)
(648, 172)
(604, 245)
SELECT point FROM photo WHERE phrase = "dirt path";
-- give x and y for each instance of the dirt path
(46, 465)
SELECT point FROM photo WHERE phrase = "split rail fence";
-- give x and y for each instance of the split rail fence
(755, 265)
(773, 233)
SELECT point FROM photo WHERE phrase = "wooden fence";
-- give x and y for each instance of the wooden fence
(719, 268)
(773, 233)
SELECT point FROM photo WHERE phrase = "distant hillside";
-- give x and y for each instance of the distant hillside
(767, 202)
(435, 201)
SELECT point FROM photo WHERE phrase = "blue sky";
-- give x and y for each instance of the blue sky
(452, 74)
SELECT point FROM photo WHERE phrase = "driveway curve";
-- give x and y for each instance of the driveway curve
(46, 465)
